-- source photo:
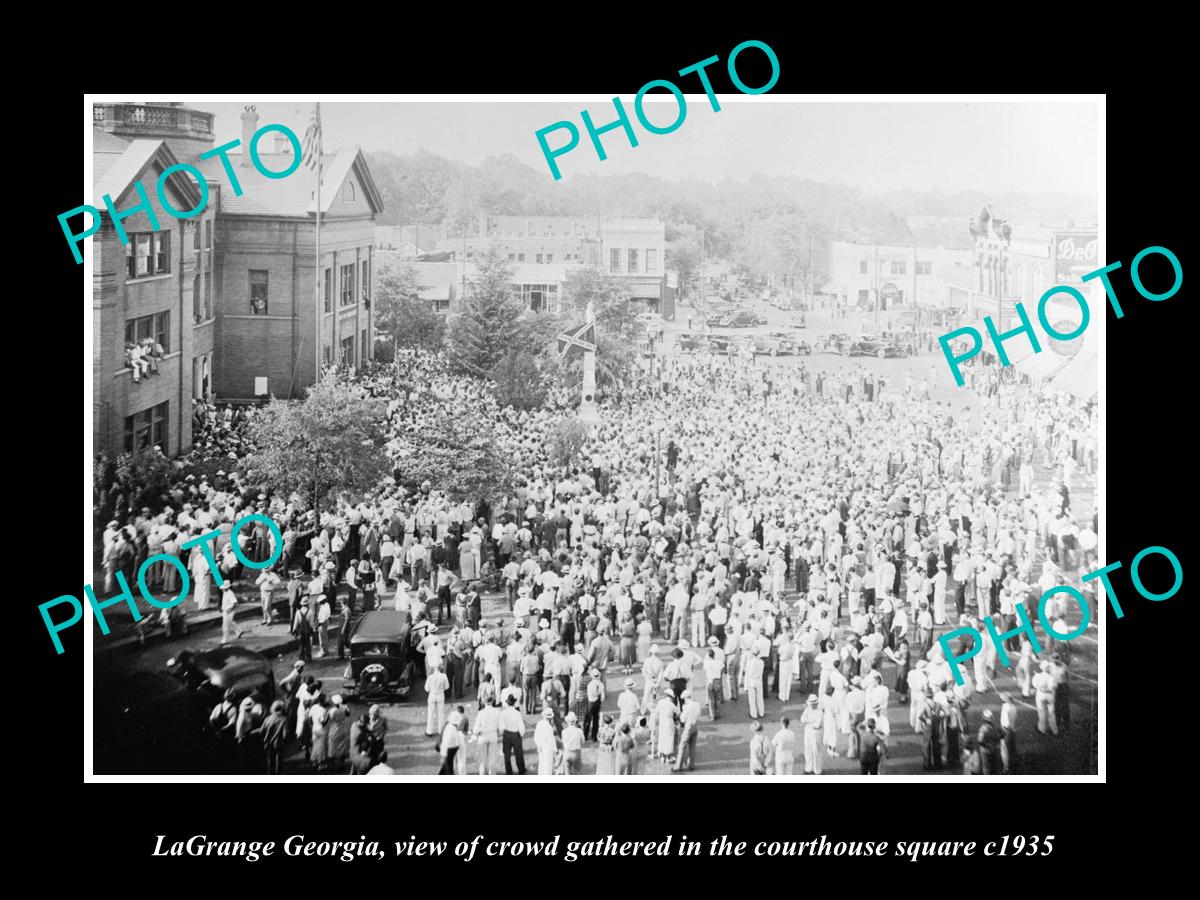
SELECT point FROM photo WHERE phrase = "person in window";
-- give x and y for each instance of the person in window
(152, 352)
(258, 306)
(135, 358)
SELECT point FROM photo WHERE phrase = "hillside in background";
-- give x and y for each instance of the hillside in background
(740, 220)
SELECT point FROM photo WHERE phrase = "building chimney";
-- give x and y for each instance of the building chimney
(249, 126)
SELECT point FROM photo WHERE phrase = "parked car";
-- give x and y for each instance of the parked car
(380, 656)
(691, 341)
(838, 342)
(722, 343)
(797, 320)
(151, 723)
(210, 673)
(743, 318)
(777, 343)
(869, 345)
(904, 340)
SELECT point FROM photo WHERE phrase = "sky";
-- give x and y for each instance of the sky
(1024, 146)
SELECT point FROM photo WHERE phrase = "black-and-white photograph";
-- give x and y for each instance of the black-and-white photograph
(430, 439)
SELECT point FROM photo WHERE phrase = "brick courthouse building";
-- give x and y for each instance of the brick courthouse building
(229, 295)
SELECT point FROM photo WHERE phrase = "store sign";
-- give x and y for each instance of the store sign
(1074, 251)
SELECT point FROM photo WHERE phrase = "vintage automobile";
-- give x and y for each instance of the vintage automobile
(868, 345)
(780, 342)
(381, 663)
(838, 342)
(210, 673)
(689, 342)
(719, 343)
(151, 723)
(797, 320)
(905, 341)
(742, 318)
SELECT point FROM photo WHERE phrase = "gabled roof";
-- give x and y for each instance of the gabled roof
(115, 173)
(295, 194)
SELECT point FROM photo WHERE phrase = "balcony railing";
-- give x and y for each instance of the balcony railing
(138, 114)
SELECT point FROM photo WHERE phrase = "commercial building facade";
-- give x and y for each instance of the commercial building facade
(1018, 262)
(543, 250)
(885, 277)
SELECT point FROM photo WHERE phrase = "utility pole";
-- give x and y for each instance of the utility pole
(810, 289)
(877, 297)
(916, 308)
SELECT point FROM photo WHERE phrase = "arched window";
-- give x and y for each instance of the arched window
(348, 193)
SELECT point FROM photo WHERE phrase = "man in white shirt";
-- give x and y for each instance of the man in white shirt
(572, 745)
(436, 685)
(784, 742)
(753, 683)
(487, 736)
(714, 668)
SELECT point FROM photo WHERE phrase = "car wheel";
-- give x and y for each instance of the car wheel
(845, 351)
(881, 353)
(774, 351)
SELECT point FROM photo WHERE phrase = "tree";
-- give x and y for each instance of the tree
(142, 478)
(446, 452)
(331, 441)
(683, 255)
(520, 380)
(490, 322)
(402, 313)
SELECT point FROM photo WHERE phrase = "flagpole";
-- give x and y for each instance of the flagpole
(318, 279)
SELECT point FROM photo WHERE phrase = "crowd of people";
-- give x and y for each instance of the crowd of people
(727, 531)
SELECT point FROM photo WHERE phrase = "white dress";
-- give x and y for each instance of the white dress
(543, 739)
(200, 577)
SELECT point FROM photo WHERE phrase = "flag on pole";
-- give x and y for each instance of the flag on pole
(312, 139)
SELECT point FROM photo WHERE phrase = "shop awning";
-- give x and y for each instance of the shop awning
(1041, 366)
(1080, 375)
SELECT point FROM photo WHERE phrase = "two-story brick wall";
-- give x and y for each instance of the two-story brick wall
(145, 289)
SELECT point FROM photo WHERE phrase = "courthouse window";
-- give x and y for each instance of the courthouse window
(157, 326)
(633, 260)
(862, 267)
(614, 260)
(898, 267)
(348, 284)
(651, 261)
(147, 428)
(329, 290)
(366, 280)
(148, 253)
(924, 268)
(258, 292)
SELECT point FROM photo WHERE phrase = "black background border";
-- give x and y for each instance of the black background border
(1148, 441)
